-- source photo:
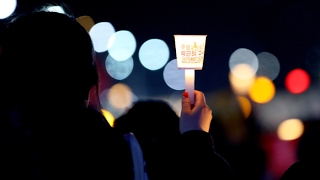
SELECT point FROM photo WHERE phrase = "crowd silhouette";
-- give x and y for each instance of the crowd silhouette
(48, 131)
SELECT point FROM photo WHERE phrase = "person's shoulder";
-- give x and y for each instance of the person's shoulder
(302, 169)
(94, 118)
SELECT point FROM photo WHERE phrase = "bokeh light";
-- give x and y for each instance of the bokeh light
(297, 81)
(119, 70)
(245, 105)
(122, 45)
(86, 22)
(269, 65)
(57, 9)
(154, 54)
(173, 76)
(7, 7)
(243, 56)
(241, 85)
(262, 90)
(106, 105)
(243, 71)
(109, 117)
(100, 35)
(120, 96)
(290, 129)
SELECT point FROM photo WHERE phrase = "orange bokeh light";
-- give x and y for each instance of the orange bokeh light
(262, 90)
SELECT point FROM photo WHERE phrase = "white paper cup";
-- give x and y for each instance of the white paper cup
(190, 51)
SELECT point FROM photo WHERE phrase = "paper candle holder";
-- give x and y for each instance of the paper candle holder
(190, 55)
(190, 51)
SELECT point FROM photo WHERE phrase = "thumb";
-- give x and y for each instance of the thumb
(186, 106)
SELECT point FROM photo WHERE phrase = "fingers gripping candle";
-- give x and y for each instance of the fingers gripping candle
(190, 55)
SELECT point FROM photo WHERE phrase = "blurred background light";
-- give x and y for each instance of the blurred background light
(262, 90)
(173, 76)
(297, 81)
(57, 9)
(7, 7)
(122, 45)
(154, 54)
(245, 105)
(243, 56)
(269, 65)
(100, 34)
(86, 22)
(119, 70)
(241, 79)
(120, 96)
(290, 129)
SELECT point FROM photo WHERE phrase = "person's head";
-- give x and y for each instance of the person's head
(47, 56)
(308, 147)
(153, 119)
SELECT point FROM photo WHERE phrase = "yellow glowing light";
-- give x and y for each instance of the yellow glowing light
(245, 105)
(243, 71)
(262, 90)
(241, 78)
(290, 129)
(108, 116)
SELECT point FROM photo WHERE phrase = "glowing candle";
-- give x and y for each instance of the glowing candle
(189, 81)
(190, 55)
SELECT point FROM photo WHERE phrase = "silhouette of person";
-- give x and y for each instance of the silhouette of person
(237, 139)
(47, 70)
(308, 154)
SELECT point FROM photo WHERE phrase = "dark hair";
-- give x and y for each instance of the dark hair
(47, 52)
(151, 117)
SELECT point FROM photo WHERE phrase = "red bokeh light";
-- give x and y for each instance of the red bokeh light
(297, 81)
